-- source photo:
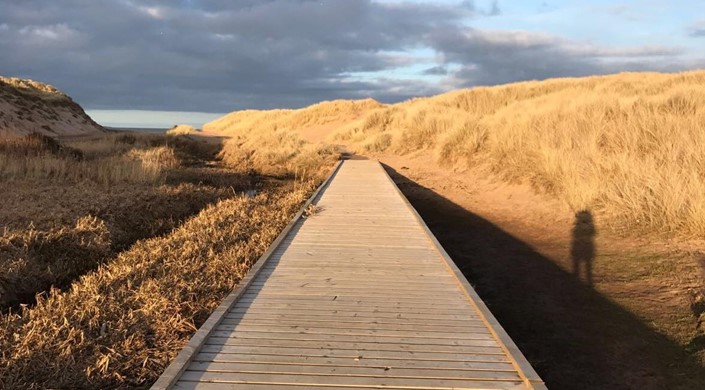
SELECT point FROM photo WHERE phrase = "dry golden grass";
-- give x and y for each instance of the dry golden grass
(107, 160)
(267, 142)
(45, 238)
(628, 145)
(182, 130)
(119, 309)
(121, 325)
(279, 153)
(34, 260)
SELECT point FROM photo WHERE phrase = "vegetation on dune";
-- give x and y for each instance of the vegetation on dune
(106, 161)
(629, 145)
(182, 130)
(122, 324)
(242, 122)
(626, 145)
(267, 141)
(28, 106)
(279, 153)
(74, 210)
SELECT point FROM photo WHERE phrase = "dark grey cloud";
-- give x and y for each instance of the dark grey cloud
(218, 55)
(436, 70)
(496, 57)
(210, 55)
(493, 9)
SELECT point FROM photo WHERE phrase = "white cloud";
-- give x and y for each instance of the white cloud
(56, 32)
(154, 12)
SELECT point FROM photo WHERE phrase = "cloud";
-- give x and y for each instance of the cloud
(436, 70)
(495, 10)
(219, 55)
(214, 55)
(489, 57)
(471, 6)
(697, 29)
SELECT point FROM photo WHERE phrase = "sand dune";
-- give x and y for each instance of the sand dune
(590, 142)
(28, 106)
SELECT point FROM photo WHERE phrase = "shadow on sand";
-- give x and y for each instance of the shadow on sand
(575, 337)
(582, 246)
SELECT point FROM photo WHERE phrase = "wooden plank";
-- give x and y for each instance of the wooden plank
(364, 319)
(351, 305)
(382, 338)
(185, 385)
(365, 331)
(344, 299)
(477, 354)
(476, 327)
(343, 308)
(362, 312)
(373, 300)
(333, 291)
(284, 378)
(336, 295)
(276, 281)
(414, 285)
(479, 345)
(380, 371)
(354, 361)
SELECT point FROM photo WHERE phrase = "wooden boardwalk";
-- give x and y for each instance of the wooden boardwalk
(358, 295)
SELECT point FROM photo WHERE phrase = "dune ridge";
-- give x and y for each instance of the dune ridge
(28, 106)
(628, 145)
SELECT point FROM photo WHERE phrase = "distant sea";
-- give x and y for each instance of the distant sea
(138, 129)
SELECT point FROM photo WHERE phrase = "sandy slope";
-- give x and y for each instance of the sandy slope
(28, 106)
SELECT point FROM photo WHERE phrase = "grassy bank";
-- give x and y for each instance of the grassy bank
(68, 207)
(270, 141)
(122, 324)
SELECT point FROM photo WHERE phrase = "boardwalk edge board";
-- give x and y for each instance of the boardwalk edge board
(529, 375)
(177, 367)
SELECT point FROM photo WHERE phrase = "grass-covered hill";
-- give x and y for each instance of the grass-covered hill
(629, 145)
(28, 106)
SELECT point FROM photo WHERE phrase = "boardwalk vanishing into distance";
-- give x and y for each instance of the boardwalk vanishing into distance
(357, 295)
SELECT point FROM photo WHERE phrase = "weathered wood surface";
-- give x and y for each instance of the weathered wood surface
(357, 295)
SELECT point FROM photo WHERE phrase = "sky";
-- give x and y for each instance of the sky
(155, 63)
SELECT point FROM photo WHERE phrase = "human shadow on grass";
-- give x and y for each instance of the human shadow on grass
(574, 337)
(582, 246)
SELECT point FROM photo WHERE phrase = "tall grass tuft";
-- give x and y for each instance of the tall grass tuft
(278, 152)
(34, 260)
(108, 160)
